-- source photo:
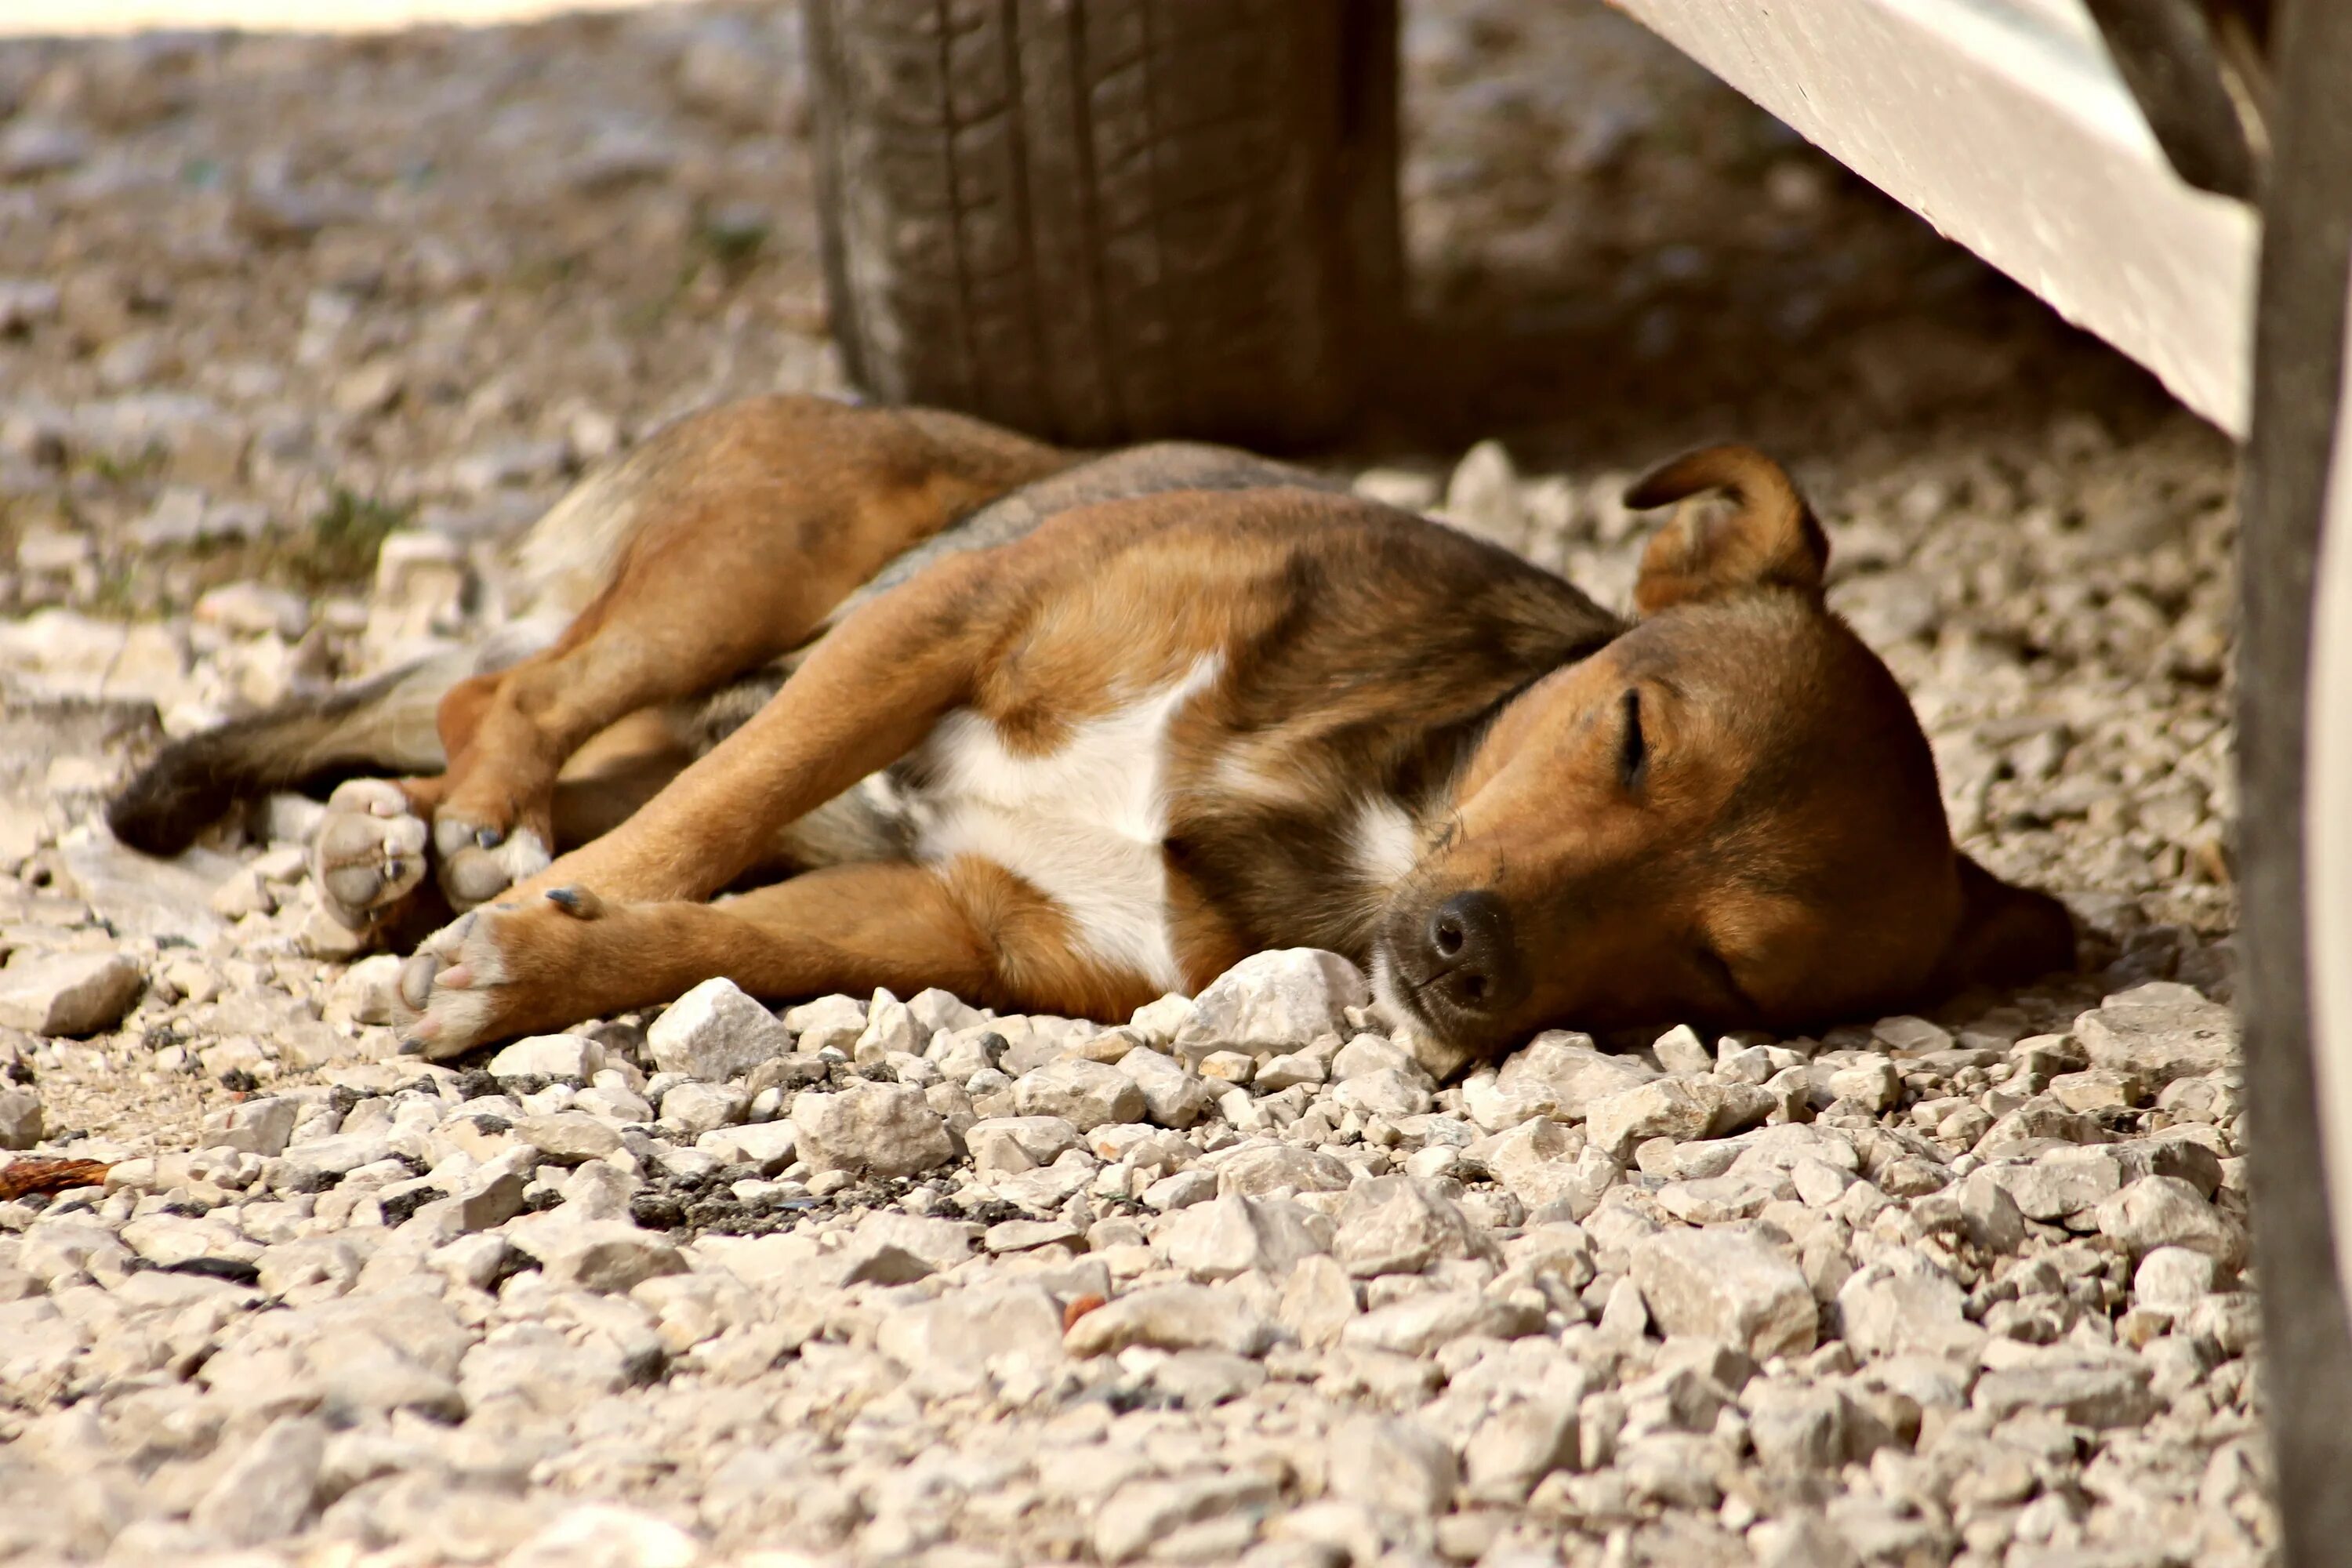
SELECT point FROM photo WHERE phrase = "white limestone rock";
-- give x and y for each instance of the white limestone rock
(70, 994)
(714, 1033)
(2161, 1031)
(1726, 1286)
(573, 1057)
(878, 1129)
(1272, 1003)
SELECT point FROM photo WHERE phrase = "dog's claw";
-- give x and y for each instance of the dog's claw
(489, 838)
(580, 903)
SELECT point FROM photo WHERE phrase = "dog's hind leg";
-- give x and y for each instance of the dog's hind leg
(372, 850)
(370, 853)
(745, 528)
(382, 725)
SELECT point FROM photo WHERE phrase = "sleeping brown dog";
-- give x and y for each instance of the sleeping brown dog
(947, 707)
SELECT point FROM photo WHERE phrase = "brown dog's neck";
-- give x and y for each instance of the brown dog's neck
(1341, 756)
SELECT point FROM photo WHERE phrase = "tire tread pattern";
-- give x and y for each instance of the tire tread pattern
(1102, 220)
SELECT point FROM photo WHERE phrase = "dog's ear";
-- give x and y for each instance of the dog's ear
(2007, 936)
(1769, 538)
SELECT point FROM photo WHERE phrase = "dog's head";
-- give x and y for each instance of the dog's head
(1729, 816)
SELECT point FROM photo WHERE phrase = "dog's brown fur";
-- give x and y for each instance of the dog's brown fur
(1356, 730)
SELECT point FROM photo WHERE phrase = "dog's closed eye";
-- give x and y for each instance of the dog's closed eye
(1634, 754)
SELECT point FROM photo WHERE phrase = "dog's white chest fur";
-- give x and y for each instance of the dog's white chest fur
(1082, 825)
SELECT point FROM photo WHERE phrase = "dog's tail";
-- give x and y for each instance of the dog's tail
(381, 726)
(384, 725)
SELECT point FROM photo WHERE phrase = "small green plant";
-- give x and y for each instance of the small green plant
(643, 316)
(143, 464)
(539, 274)
(730, 239)
(122, 594)
(344, 538)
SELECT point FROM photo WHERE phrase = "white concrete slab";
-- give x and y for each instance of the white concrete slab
(2328, 829)
(2003, 123)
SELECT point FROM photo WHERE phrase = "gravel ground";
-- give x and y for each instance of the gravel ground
(296, 334)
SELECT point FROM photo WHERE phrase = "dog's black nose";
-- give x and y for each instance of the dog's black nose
(1473, 964)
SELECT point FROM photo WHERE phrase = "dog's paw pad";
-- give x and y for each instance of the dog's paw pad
(369, 852)
(479, 864)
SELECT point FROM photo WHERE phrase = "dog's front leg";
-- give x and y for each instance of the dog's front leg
(867, 694)
(564, 955)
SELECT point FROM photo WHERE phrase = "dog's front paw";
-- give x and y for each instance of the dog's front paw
(368, 854)
(478, 863)
(499, 971)
(450, 987)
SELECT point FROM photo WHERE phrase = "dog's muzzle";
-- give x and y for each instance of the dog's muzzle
(1452, 977)
(1469, 963)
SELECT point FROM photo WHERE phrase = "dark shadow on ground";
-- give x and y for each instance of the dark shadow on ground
(1615, 254)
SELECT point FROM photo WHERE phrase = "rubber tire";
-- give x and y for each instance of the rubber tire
(1101, 221)
(2299, 378)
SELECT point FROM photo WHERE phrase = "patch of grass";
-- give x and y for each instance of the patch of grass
(729, 239)
(642, 317)
(146, 463)
(540, 274)
(335, 551)
(122, 594)
(344, 540)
